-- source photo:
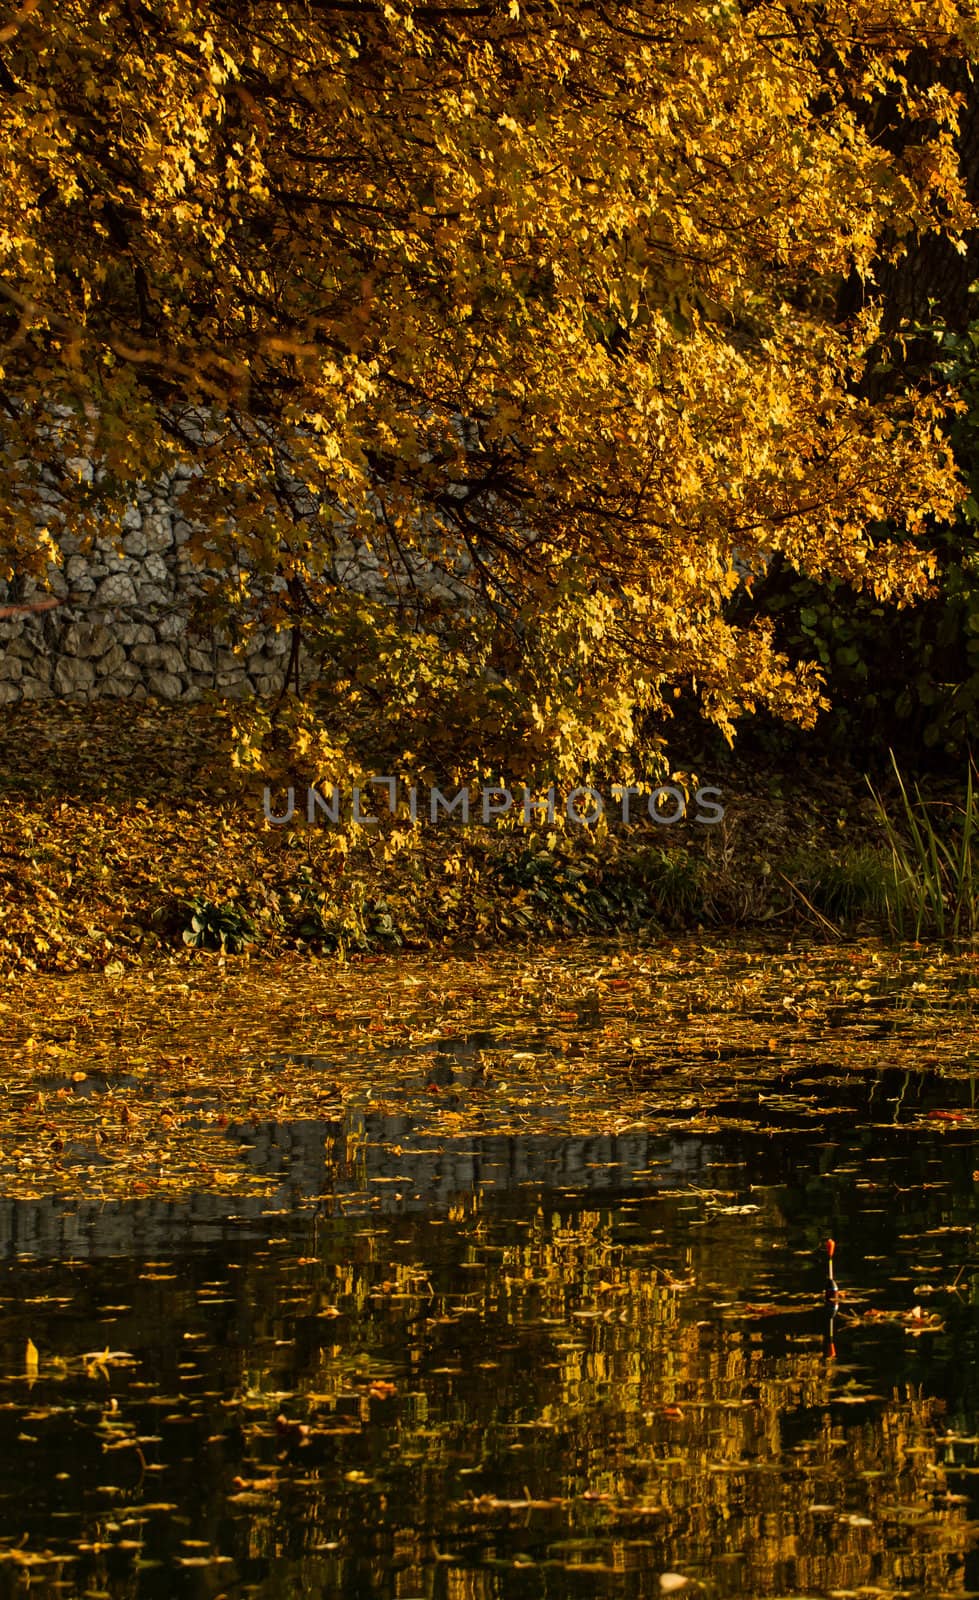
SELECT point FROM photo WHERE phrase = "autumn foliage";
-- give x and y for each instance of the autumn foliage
(498, 333)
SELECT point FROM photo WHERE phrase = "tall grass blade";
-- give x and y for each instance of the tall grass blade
(933, 850)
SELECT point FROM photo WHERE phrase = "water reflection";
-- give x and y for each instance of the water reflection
(505, 1367)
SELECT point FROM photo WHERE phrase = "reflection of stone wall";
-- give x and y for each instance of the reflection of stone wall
(125, 628)
(350, 1167)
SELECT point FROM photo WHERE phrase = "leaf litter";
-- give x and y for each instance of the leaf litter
(144, 1083)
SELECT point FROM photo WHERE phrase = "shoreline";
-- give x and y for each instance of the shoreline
(127, 840)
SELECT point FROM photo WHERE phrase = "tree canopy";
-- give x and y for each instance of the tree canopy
(504, 335)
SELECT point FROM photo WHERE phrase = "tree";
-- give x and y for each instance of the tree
(503, 336)
(931, 280)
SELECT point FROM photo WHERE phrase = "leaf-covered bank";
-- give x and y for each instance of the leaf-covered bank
(127, 837)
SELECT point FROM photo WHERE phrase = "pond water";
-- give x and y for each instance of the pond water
(532, 1362)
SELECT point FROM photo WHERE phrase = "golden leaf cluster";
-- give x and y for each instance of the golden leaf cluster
(524, 312)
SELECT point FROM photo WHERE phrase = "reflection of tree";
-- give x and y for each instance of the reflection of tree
(571, 1389)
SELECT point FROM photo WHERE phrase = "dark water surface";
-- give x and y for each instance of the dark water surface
(570, 1385)
(522, 1365)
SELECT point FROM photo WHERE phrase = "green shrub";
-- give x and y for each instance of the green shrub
(216, 927)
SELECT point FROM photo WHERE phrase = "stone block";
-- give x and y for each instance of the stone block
(129, 671)
(130, 633)
(116, 590)
(24, 647)
(165, 657)
(93, 640)
(72, 676)
(157, 531)
(165, 685)
(155, 568)
(33, 689)
(39, 668)
(114, 658)
(173, 626)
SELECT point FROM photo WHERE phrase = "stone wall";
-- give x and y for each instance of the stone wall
(125, 628)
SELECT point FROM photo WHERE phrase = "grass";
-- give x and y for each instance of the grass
(934, 889)
(855, 886)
